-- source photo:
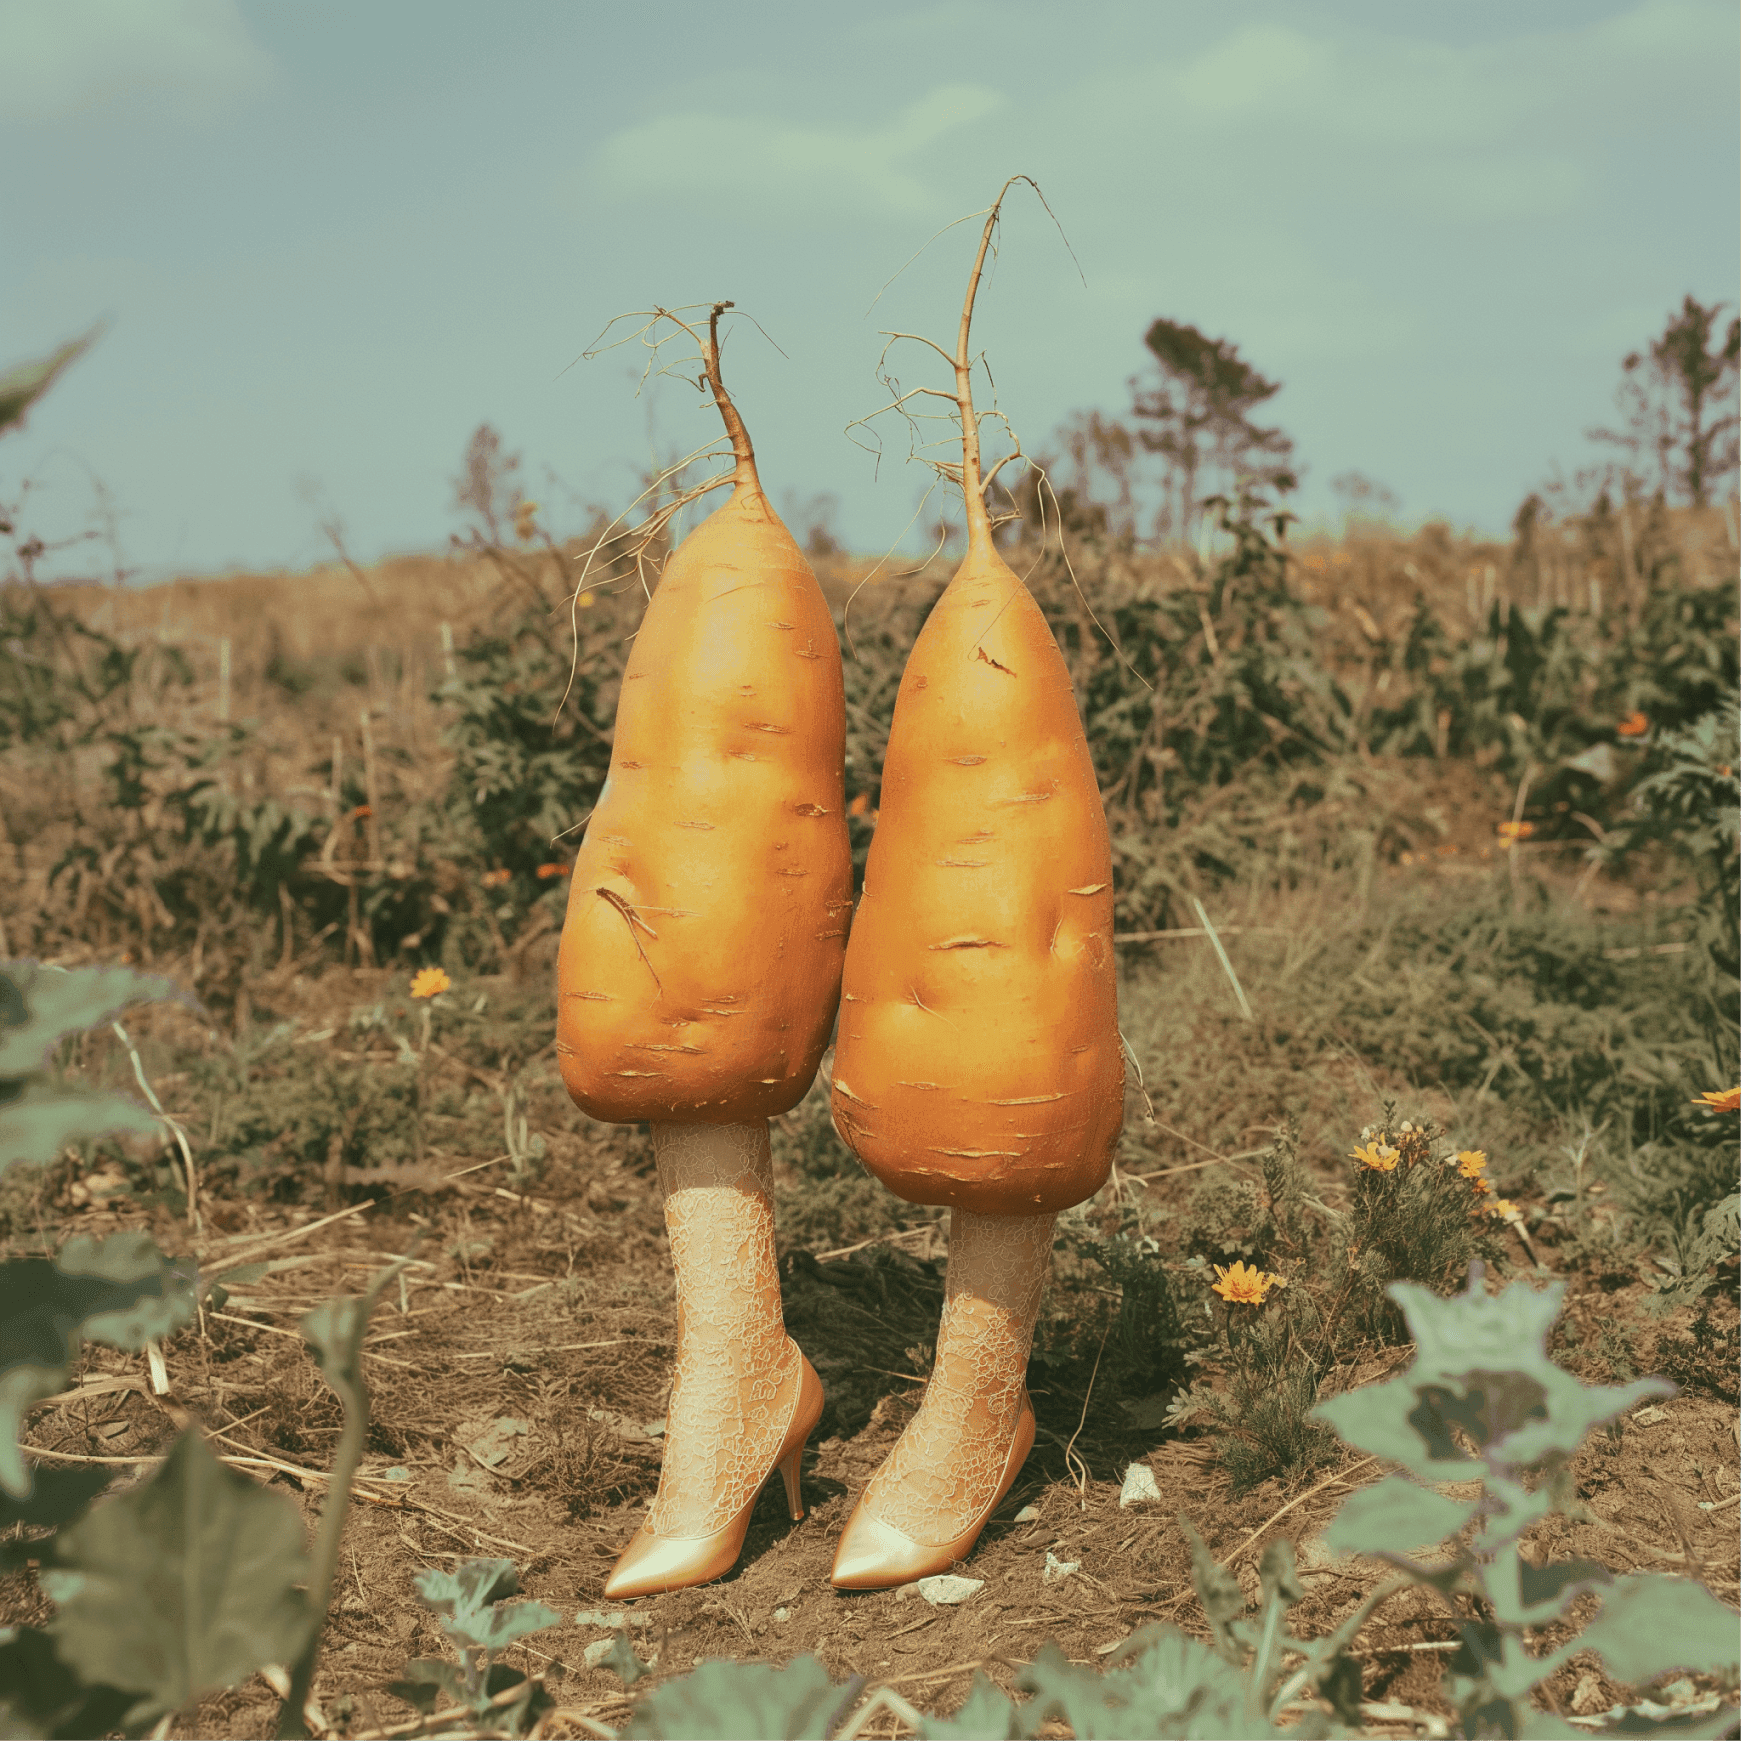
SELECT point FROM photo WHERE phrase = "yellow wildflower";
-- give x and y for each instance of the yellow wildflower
(1515, 830)
(1245, 1285)
(1378, 1155)
(1471, 1163)
(1502, 1206)
(430, 982)
(1720, 1100)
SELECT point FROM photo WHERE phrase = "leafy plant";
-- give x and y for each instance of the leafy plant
(469, 1601)
(197, 1577)
(1483, 1401)
(1314, 1293)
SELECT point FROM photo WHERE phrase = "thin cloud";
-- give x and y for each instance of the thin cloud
(1479, 131)
(792, 166)
(61, 58)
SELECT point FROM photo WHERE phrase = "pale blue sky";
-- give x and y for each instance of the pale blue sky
(331, 238)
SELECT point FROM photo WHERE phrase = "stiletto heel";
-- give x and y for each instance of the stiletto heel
(652, 1563)
(874, 1555)
(791, 1472)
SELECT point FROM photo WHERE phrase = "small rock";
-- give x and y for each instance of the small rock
(1139, 1487)
(1650, 1416)
(1028, 1514)
(1588, 1696)
(945, 1591)
(1058, 1570)
(782, 1615)
(615, 1618)
(397, 1473)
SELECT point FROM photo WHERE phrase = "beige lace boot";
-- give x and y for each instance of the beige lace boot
(744, 1399)
(924, 1508)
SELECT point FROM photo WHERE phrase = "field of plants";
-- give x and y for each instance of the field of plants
(1426, 858)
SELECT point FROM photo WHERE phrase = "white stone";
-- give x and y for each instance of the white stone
(1058, 1570)
(945, 1591)
(1028, 1514)
(1139, 1487)
(782, 1615)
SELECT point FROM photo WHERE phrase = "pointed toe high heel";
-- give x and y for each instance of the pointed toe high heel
(874, 1555)
(653, 1563)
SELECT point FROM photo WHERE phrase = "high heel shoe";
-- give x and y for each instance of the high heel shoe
(653, 1563)
(874, 1555)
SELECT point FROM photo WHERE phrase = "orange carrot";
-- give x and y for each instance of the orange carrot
(699, 971)
(979, 1062)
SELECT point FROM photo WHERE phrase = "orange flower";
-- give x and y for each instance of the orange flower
(430, 982)
(361, 813)
(1634, 725)
(1378, 1155)
(493, 879)
(1471, 1163)
(546, 871)
(1515, 830)
(1720, 1100)
(1243, 1285)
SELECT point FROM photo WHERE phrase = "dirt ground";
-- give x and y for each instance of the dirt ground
(519, 1378)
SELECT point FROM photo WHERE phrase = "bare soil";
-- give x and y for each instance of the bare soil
(519, 1381)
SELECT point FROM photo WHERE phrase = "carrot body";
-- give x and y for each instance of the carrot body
(979, 1061)
(699, 971)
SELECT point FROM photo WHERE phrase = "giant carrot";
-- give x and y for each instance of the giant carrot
(700, 962)
(979, 1062)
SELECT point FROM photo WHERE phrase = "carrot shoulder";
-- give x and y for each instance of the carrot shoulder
(699, 970)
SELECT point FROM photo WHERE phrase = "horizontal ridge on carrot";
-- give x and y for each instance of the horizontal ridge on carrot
(979, 1062)
(700, 962)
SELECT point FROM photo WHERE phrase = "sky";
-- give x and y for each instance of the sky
(327, 241)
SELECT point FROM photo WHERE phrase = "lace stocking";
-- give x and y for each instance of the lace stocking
(735, 1367)
(947, 1464)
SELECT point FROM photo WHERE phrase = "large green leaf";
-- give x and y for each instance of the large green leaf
(56, 1497)
(46, 1118)
(182, 1585)
(745, 1701)
(1650, 1624)
(1395, 1517)
(22, 1385)
(1481, 1365)
(1167, 1686)
(22, 385)
(120, 1290)
(43, 1700)
(60, 1001)
(985, 1715)
(141, 1296)
(468, 1600)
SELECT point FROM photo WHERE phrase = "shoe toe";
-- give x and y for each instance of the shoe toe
(874, 1555)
